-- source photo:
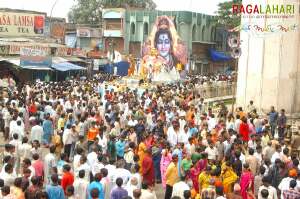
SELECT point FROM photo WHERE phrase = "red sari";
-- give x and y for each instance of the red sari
(148, 170)
(244, 131)
(247, 180)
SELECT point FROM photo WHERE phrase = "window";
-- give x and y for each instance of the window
(194, 33)
(145, 28)
(203, 33)
(132, 28)
(213, 32)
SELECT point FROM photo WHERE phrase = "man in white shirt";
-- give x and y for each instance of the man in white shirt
(76, 159)
(276, 155)
(8, 175)
(36, 132)
(49, 163)
(120, 172)
(147, 192)
(182, 122)
(180, 187)
(106, 183)
(132, 122)
(111, 170)
(212, 122)
(183, 136)
(172, 136)
(266, 185)
(80, 185)
(237, 124)
(97, 165)
(68, 140)
(211, 151)
(92, 157)
(285, 182)
(17, 128)
(84, 166)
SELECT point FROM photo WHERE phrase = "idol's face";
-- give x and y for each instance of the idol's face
(163, 45)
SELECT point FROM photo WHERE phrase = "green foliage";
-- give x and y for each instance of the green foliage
(225, 15)
(89, 11)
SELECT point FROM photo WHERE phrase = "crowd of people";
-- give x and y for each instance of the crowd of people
(90, 138)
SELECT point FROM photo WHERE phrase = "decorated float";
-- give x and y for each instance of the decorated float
(164, 55)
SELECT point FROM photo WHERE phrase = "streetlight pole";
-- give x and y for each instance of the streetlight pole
(50, 17)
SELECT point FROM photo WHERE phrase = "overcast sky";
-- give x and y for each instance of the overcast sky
(62, 7)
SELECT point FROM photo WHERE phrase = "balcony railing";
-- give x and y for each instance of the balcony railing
(217, 89)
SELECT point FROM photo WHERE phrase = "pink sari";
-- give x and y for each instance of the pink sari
(193, 175)
(164, 163)
(247, 180)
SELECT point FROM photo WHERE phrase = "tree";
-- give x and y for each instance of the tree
(89, 11)
(225, 15)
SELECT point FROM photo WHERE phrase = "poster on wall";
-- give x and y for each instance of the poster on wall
(164, 53)
(21, 24)
(58, 30)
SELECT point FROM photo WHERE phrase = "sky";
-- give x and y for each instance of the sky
(61, 7)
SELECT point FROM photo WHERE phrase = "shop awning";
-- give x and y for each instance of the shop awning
(36, 67)
(74, 59)
(218, 56)
(66, 66)
(16, 62)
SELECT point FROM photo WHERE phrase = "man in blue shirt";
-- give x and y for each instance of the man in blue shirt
(54, 190)
(273, 117)
(119, 192)
(120, 148)
(192, 130)
(96, 185)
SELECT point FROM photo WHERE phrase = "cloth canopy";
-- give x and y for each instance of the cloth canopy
(218, 56)
(16, 62)
(66, 66)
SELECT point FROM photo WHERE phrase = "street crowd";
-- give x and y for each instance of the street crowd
(91, 138)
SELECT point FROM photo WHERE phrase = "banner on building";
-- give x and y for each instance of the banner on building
(21, 24)
(34, 57)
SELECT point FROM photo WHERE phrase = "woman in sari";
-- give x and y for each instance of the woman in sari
(166, 159)
(141, 151)
(48, 130)
(229, 177)
(247, 181)
(193, 174)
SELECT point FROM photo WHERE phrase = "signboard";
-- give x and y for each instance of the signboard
(89, 32)
(63, 52)
(47, 28)
(34, 57)
(70, 40)
(79, 53)
(21, 24)
(83, 32)
(15, 49)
